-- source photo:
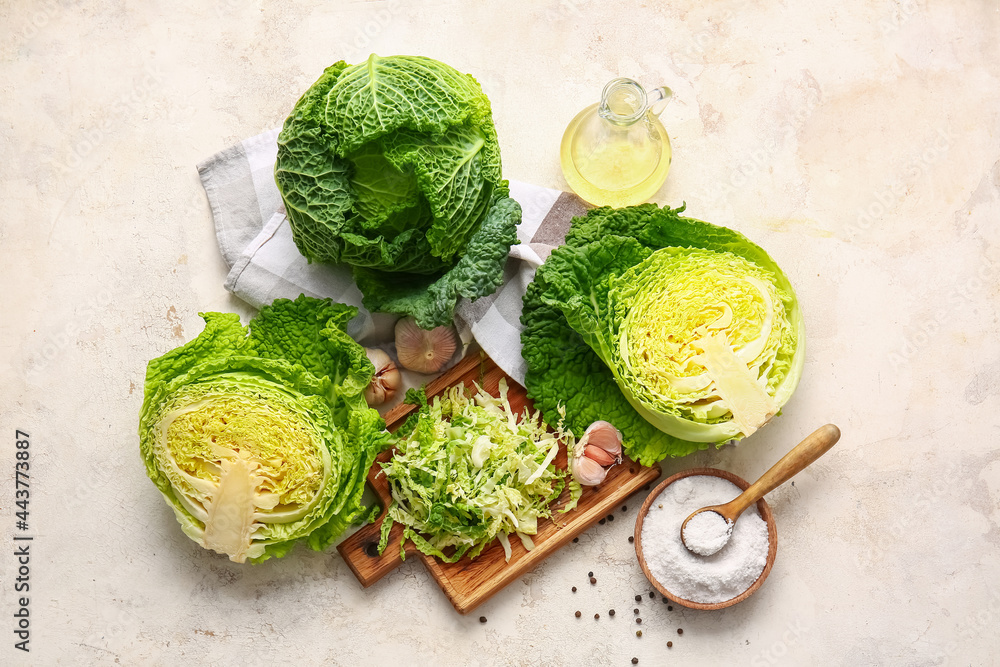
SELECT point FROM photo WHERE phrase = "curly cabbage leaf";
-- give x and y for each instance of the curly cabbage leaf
(259, 437)
(468, 470)
(679, 332)
(392, 166)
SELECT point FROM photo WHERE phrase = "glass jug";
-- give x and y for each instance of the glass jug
(616, 153)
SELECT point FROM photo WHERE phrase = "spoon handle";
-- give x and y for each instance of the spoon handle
(814, 446)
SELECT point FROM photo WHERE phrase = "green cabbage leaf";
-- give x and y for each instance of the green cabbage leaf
(679, 332)
(259, 437)
(392, 167)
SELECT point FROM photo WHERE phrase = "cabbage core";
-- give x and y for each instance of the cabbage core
(239, 462)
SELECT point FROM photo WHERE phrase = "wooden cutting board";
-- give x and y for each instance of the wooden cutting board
(468, 583)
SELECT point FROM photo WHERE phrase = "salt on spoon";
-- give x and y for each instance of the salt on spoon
(707, 530)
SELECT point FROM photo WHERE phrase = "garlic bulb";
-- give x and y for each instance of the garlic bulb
(386, 380)
(595, 453)
(422, 350)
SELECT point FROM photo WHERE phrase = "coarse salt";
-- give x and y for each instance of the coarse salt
(702, 579)
(706, 532)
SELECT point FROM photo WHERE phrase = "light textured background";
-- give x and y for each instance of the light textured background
(858, 143)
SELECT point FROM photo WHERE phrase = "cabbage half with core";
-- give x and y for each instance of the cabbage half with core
(259, 437)
(679, 332)
(694, 336)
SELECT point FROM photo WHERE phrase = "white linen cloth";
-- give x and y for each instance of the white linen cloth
(256, 241)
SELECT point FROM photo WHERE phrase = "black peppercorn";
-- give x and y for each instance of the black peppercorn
(576, 539)
(596, 616)
(670, 644)
(577, 614)
(638, 621)
(482, 619)
(574, 589)
(680, 631)
(638, 598)
(602, 521)
(631, 539)
(635, 611)
(652, 595)
(590, 574)
(611, 517)
(670, 607)
(635, 661)
(611, 612)
(624, 508)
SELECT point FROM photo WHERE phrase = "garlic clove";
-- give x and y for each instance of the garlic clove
(605, 436)
(599, 449)
(374, 396)
(599, 455)
(386, 381)
(588, 472)
(421, 350)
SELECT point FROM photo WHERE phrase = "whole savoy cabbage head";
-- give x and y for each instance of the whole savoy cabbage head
(392, 167)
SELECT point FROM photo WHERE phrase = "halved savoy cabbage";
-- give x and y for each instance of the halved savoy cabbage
(258, 437)
(679, 332)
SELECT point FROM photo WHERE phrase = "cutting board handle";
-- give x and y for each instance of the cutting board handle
(360, 550)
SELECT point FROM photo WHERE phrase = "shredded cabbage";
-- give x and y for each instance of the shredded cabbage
(468, 470)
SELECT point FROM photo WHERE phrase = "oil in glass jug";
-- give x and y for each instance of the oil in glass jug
(616, 153)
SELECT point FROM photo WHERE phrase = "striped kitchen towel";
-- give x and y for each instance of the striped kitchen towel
(256, 241)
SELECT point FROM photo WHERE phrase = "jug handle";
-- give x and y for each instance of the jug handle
(657, 99)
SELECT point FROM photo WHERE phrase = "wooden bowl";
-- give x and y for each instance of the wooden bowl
(762, 508)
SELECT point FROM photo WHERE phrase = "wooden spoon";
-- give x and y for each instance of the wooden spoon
(815, 445)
